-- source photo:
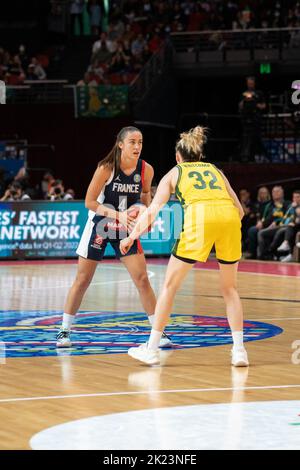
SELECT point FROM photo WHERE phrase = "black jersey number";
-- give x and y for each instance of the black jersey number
(200, 179)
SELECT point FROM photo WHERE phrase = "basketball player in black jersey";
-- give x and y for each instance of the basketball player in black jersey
(120, 181)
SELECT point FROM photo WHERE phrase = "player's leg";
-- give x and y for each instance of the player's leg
(137, 268)
(234, 311)
(228, 252)
(85, 272)
(176, 272)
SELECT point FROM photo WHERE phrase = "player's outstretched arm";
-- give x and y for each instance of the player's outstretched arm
(165, 188)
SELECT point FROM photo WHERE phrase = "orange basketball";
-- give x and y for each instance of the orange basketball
(136, 210)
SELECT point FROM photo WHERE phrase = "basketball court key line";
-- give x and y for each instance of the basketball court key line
(146, 392)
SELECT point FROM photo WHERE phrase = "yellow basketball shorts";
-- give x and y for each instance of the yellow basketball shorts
(208, 224)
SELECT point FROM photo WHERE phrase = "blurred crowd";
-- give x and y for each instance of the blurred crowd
(194, 15)
(17, 66)
(271, 224)
(137, 28)
(134, 29)
(21, 189)
(118, 58)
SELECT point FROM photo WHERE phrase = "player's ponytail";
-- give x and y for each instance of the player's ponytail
(190, 144)
(113, 158)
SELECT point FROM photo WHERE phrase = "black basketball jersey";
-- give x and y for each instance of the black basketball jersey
(124, 190)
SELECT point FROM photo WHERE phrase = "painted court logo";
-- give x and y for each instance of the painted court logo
(32, 333)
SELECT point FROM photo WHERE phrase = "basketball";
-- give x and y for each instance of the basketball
(136, 210)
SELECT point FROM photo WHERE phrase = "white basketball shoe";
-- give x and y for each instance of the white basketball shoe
(63, 339)
(143, 354)
(165, 341)
(239, 357)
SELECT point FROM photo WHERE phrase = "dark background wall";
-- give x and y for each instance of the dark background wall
(79, 144)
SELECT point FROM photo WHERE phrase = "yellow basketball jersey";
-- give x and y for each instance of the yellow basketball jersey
(200, 182)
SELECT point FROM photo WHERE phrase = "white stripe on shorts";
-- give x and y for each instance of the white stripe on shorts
(83, 246)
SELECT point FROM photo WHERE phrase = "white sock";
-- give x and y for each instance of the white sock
(154, 339)
(238, 342)
(151, 319)
(67, 321)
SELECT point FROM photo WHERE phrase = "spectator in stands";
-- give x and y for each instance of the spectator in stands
(264, 209)
(176, 16)
(57, 192)
(251, 106)
(15, 73)
(268, 226)
(147, 8)
(104, 44)
(126, 47)
(249, 218)
(4, 61)
(35, 70)
(128, 34)
(154, 43)
(96, 72)
(147, 54)
(46, 183)
(138, 45)
(76, 11)
(120, 62)
(87, 81)
(284, 239)
(23, 56)
(15, 193)
(245, 18)
(263, 198)
(22, 177)
(95, 13)
(116, 30)
(69, 195)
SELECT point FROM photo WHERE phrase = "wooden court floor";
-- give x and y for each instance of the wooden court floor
(41, 392)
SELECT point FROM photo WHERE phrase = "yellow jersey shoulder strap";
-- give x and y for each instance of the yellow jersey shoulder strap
(178, 193)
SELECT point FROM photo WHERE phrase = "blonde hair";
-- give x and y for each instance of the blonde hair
(190, 144)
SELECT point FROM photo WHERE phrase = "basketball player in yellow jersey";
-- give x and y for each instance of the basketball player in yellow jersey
(212, 216)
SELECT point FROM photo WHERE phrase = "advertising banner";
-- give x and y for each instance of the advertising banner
(44, 229)
(101, 101)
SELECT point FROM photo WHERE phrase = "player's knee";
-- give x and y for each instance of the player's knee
(83, 280)
(170, 286)
(142, 281)
(228, 291)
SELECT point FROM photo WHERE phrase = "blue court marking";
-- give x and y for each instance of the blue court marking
(33, 333)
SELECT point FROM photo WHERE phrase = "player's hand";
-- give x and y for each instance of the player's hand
(127, 220)
(125, 245)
